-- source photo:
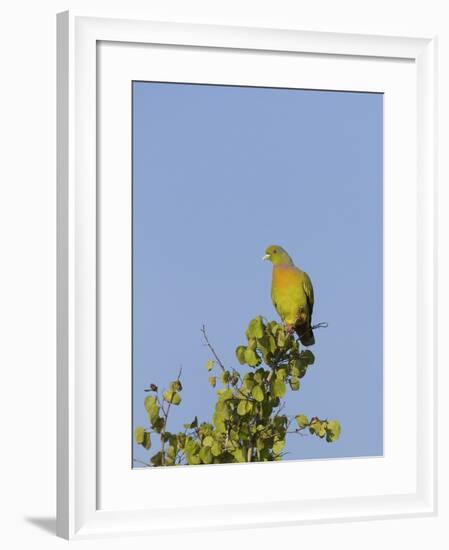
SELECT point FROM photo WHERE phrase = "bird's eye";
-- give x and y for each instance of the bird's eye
(274, 251)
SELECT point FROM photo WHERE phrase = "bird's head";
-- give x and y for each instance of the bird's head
(277, 255)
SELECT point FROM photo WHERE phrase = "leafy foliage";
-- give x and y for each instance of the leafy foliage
(247, 423)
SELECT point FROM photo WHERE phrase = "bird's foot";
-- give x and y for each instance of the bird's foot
(301, 319)
(289, 329)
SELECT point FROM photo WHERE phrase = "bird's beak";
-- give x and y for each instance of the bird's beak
(266, 257)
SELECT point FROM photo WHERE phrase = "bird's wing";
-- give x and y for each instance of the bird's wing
(308, 289)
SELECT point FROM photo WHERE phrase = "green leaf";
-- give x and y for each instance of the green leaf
(248, 381)
(206, 429)
(252, 344)
(272, 343)
(280, 422)
(279, 388)
(175, 386)
(172, 397)
(191, 446)
(225, 394)
(239, 455)
(152, 408)
(234, 435)
(242, 408)
(281, 373)
(158, 424)
(208, 441)
(302, 420)
(259, 375)
(221, 408)
(251, 357)
(192, 424)
(213, 381)
(139, 434)
(267, 408)
(205, 455)
(295, 367)
(171, 451)
(307, 357)
(255, 328)
(209, 365)
(257, 393)
(242, 393)
(194, 459)
(294, 383)
(318, 428)
(215, 449)
(264, 344)
(240, 353)
(225, 377)
(274, 327)
(156, 459)
(281, 338)
(278, 446)
(146, 440)
(166, 436)
(333, 430)
(149, 402)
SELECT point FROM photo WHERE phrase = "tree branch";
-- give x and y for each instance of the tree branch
(165, 413)
(209, 345)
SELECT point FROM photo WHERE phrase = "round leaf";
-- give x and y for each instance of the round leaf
(255, 328)
(172, 397)
(146, 440)
(279, 388)
(240, 353)
(302, 420)
(333, 430)
(241, 408)
(224, 394)
(215, 449)
(294, 383)
(239, 455)
(208, 441)
(139, 434)
(257, 393)
(251, 357)
(205, 455)
(278, 446)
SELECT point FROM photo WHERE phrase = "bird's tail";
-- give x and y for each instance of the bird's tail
(305, 334)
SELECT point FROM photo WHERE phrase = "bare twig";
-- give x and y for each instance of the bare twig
(298, 431)
(281, 407)
(209, 345)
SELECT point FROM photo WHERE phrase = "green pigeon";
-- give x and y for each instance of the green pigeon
(292, 294)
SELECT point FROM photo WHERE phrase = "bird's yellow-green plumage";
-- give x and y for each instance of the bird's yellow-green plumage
(292, 293)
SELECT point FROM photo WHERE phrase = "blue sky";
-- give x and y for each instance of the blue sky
(220, 173)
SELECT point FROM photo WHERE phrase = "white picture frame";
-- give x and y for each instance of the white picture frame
(86, 505)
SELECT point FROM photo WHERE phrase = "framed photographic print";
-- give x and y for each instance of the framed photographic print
(188, 154)
(219, 173)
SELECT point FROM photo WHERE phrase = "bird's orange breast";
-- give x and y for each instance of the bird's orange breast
(285, 276)
(287, 293)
